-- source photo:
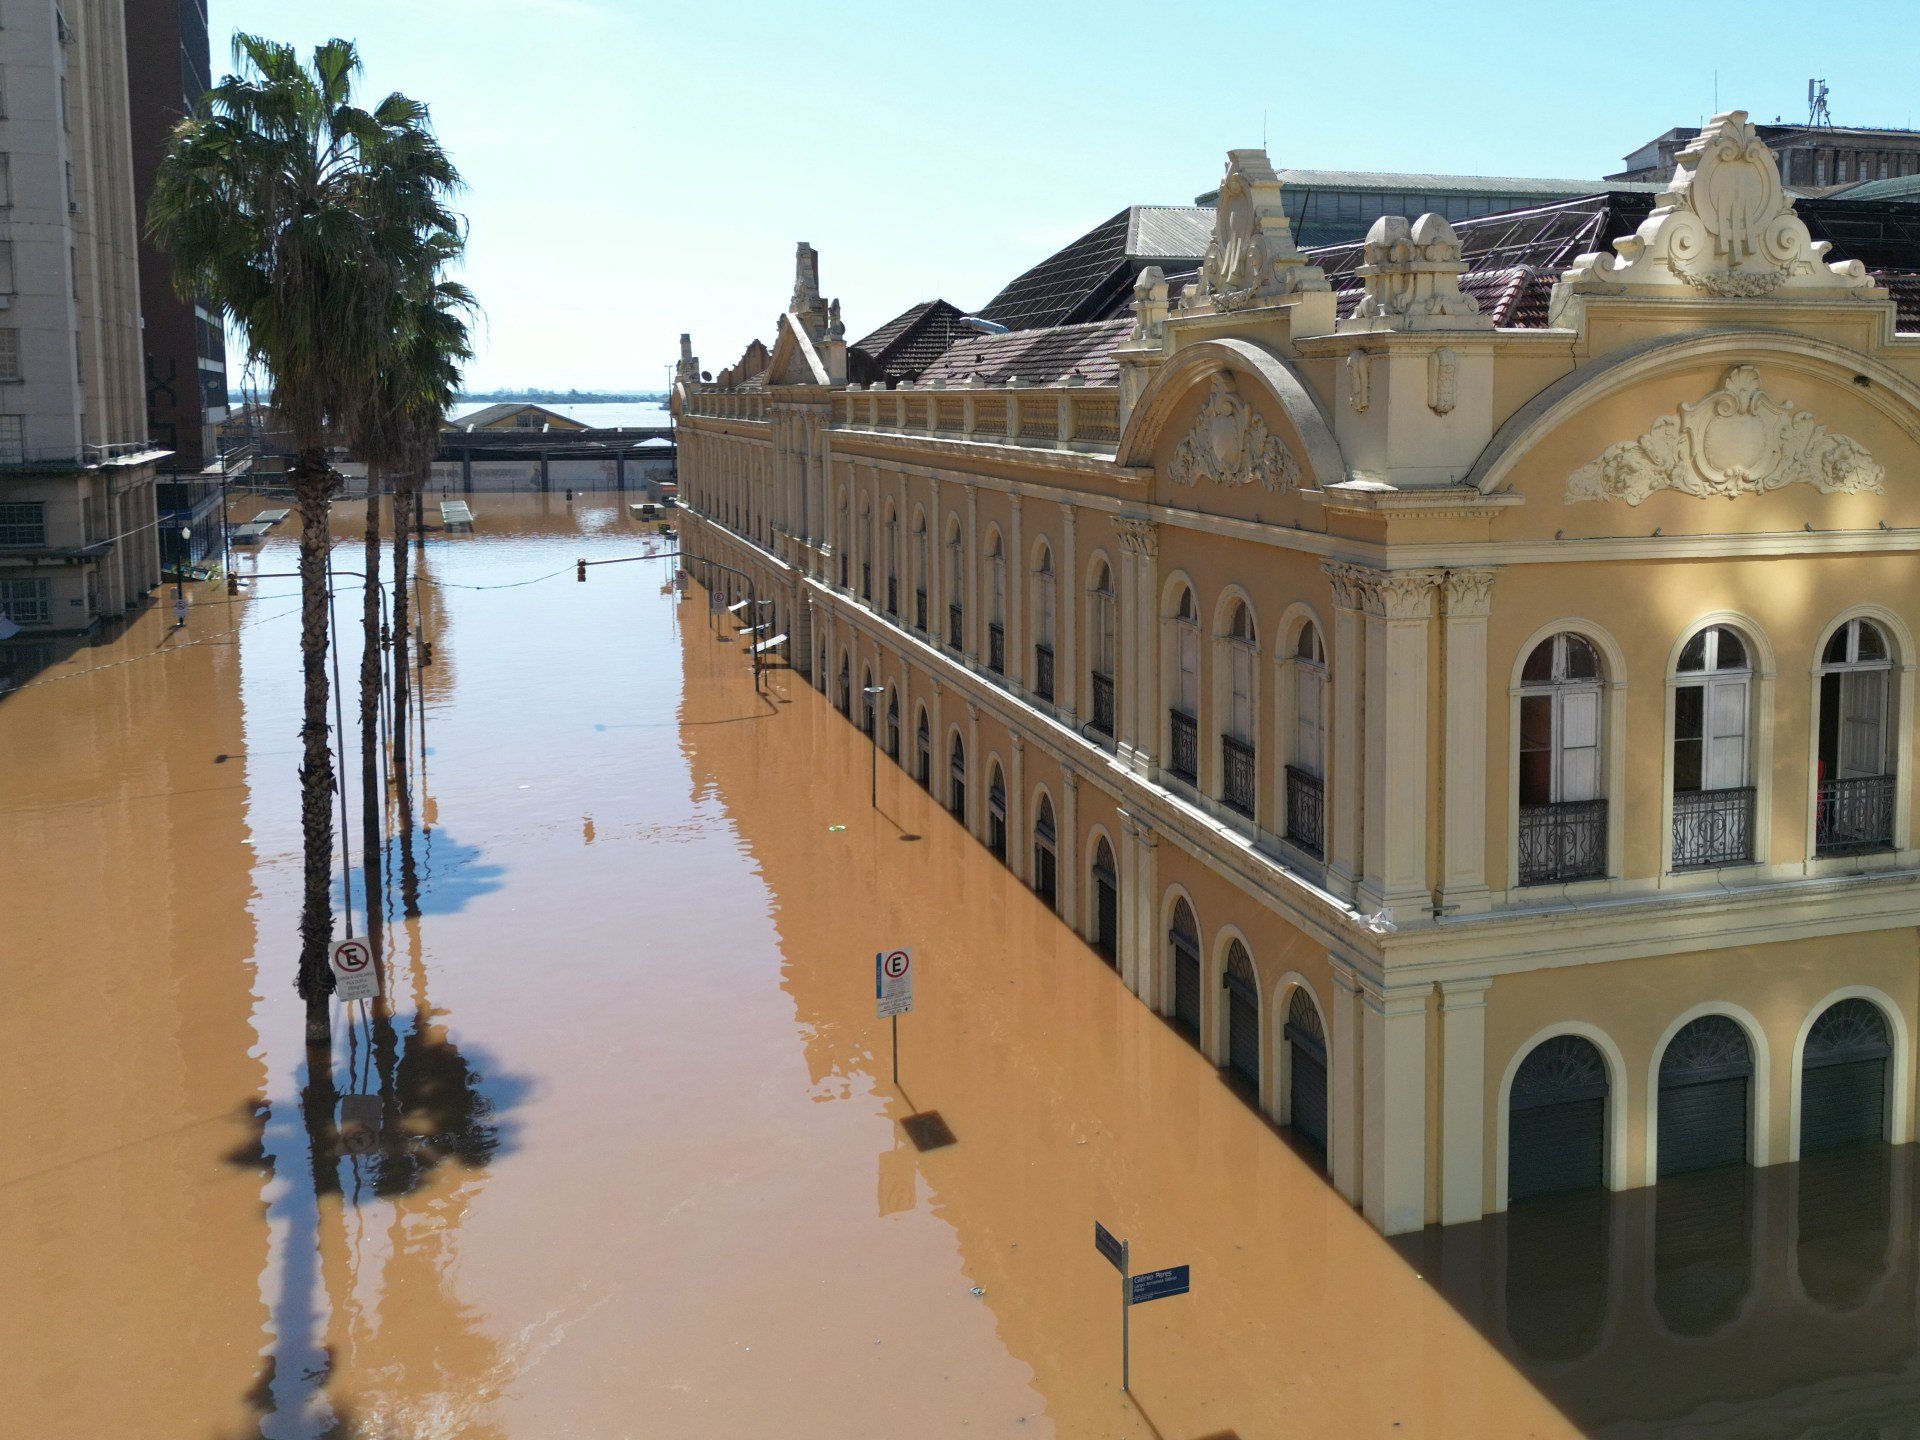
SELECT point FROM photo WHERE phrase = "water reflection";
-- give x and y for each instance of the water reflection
(1730, 1302)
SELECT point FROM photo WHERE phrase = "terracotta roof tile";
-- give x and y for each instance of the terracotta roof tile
(1038, 357)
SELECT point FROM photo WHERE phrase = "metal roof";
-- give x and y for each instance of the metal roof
(1092, 278)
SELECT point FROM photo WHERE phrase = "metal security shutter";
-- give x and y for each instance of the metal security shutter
(1843, 1087)
(1243, 1015)
(1556, 1132)
(1307, 1069)
(1705, 1075)
(1184, 935)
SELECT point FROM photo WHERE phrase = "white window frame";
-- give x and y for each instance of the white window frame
(1901, 693)
(1759, 676)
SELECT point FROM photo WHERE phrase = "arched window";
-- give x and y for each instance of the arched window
(893, 562)
(1243, 1014)
(846, 540)
(1857, 771)
(1043, 623)
(1103, 628)
(1183, 940)
(920, 574)
(956, 587)
(997, 814)
(1106, 903)
(1307, 771)
(1306, 1069)
(1239, 648)
(996, 606)
(866, 549)
(846, 688)
(957, 778)
(1563, 811)
(923, 752)
(1045, 852)
(893, 725)
(866, 700)
(1712, 796)
(1843, 1077)
(1706, 1076)
(1183, 747)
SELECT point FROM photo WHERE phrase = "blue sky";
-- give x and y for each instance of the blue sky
(636, 168)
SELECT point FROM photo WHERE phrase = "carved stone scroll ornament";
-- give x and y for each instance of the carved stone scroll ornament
(1724, 227)
(1737, 441)
(1251, 259)
(1231, 445)
(1138, 536)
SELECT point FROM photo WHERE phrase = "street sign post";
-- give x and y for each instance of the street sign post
(1136, 1290)
(893, 993)
(354, 975)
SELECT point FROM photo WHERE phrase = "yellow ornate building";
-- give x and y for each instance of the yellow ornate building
(1475, 698)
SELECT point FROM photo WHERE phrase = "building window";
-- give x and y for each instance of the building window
(6, 176)
(1238, 768)
(1563, 817)
(956, 587)
(27, 602)
(13, 440)
(996, 607)
(1183, 757)
(23, 522)
(6, 267)
(1043, 624)
(1857, 775)
(1103, 628)
(1306, 772)
(1712, 801)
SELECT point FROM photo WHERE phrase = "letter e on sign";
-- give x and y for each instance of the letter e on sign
(893, 982)
(355, 977)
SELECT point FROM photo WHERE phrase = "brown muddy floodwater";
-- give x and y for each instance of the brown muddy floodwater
(638, 1169)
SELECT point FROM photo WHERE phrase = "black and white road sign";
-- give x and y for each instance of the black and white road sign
(354, 975)
(1113, 1249)
(893, 982)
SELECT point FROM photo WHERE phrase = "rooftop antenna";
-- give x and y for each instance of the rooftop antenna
(1817, 112)
(1263, 130)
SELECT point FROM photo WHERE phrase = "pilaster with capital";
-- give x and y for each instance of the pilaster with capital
(1393, 1188)
(1144, 964)
(1468, 599)
(1069, 847)
(1398, 605)
(1463, 1089)
(1140, 674)
(976, 777)
(1345, 785)
(1343, 1066)
(1019, 839)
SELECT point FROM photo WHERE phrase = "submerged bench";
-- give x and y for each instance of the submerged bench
(455, 515)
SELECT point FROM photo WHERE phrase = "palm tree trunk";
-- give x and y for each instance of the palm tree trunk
(373, 847)
(404, 488)
(313, 487)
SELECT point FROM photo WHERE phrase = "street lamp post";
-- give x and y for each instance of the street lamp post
(873, 692)
(179, 576)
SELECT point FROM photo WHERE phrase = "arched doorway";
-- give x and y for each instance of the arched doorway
(1843, 1077)
(957, 780)
(997, 815)
(923, 753)
(1243, 1014)
(1307, 1068)
(1706, 1078)
(866, 701)
(1106, 904)
(893, 726)
(846, 689)
(1557, 1120)
(1045, 856)
(1183, 936)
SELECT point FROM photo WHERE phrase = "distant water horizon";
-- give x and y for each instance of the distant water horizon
(601, 414)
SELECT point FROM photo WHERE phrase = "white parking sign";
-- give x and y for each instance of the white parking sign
(893, 982)
(354, 975)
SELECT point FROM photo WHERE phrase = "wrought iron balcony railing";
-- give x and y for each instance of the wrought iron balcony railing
(920, 610)
(1043, 672)
(1854, 815)
(1564, 841)
(1103, 703)
(996, 647)
(1306, 810)
(1183, 758)
(1712, 827)
(954, 627)
(1238, 771)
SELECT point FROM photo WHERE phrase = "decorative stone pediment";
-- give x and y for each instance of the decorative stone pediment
(1231, 445)
(1251, 259)
(1736, 441)
(1412, 275)
(1724, 227)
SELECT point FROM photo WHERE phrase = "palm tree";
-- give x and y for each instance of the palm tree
(438, 346)
(299, 214)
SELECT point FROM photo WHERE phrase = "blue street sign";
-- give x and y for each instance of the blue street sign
(1159, 1284)
(1104, 1242)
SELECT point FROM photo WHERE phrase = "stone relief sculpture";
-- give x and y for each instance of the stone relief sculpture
(1724, 227)
(1251, 259)
(1231, 445)
(1736, 441)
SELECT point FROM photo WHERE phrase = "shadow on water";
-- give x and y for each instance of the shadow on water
(1735, 1302)
(448, 876)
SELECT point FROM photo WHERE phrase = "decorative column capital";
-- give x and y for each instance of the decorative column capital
(1068, 514)
(1468, 994)
(1018, 741)
(1140, 536)
(1469, 593)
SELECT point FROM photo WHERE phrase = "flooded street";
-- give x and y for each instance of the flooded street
(639, 1168)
